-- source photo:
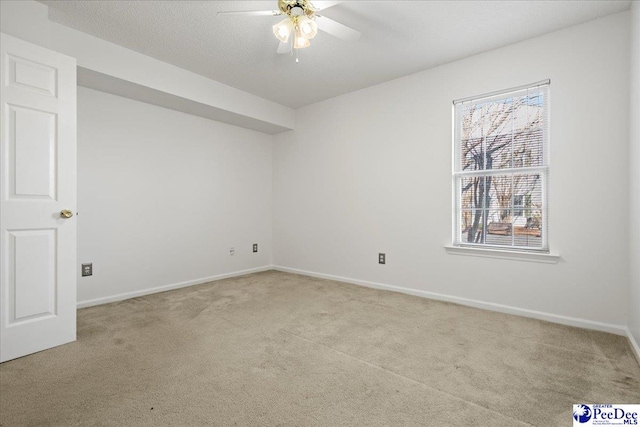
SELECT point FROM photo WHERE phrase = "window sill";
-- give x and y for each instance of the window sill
(547, 258)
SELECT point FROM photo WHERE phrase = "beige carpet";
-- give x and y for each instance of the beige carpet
(276, 349)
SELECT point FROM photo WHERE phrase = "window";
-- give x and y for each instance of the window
(501, 169)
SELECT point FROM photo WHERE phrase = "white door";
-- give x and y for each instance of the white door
(38, 181)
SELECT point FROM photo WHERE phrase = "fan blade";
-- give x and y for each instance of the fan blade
(284, 48)
(322, 5)
(337, 29)
(253, 12)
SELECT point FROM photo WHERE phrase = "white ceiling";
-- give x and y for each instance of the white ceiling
(398, 38)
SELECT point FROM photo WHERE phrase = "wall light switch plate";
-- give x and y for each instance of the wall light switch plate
(382, 258)
(255, 247)
(232, 251)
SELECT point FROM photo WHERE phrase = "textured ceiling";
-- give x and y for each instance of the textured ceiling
(398, 38)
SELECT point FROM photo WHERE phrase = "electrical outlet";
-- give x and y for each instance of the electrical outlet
(255, 247)
(232, 251)
(87, 269)
(382, 258)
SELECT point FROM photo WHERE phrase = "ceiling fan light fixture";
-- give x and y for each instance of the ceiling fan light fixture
(300, 24)
(282, 30)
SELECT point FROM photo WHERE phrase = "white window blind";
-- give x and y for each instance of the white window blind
(501, 169)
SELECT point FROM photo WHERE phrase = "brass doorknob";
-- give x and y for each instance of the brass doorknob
(66, 213)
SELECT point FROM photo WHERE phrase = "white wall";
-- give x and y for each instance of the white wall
(634, 253)
(162, 195)
(370, 172)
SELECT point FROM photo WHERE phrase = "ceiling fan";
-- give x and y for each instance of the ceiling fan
(302, 21)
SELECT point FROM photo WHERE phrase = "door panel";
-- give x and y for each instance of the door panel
(32, 289)
(32, 150)
(38, 180)
(31, 75)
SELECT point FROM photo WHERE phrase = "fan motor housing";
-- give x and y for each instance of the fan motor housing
(296, 7)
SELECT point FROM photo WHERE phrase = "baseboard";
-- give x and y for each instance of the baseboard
(549, 317)
(148, 291)
(634, 344)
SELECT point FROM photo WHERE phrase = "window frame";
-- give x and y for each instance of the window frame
(458, 245)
